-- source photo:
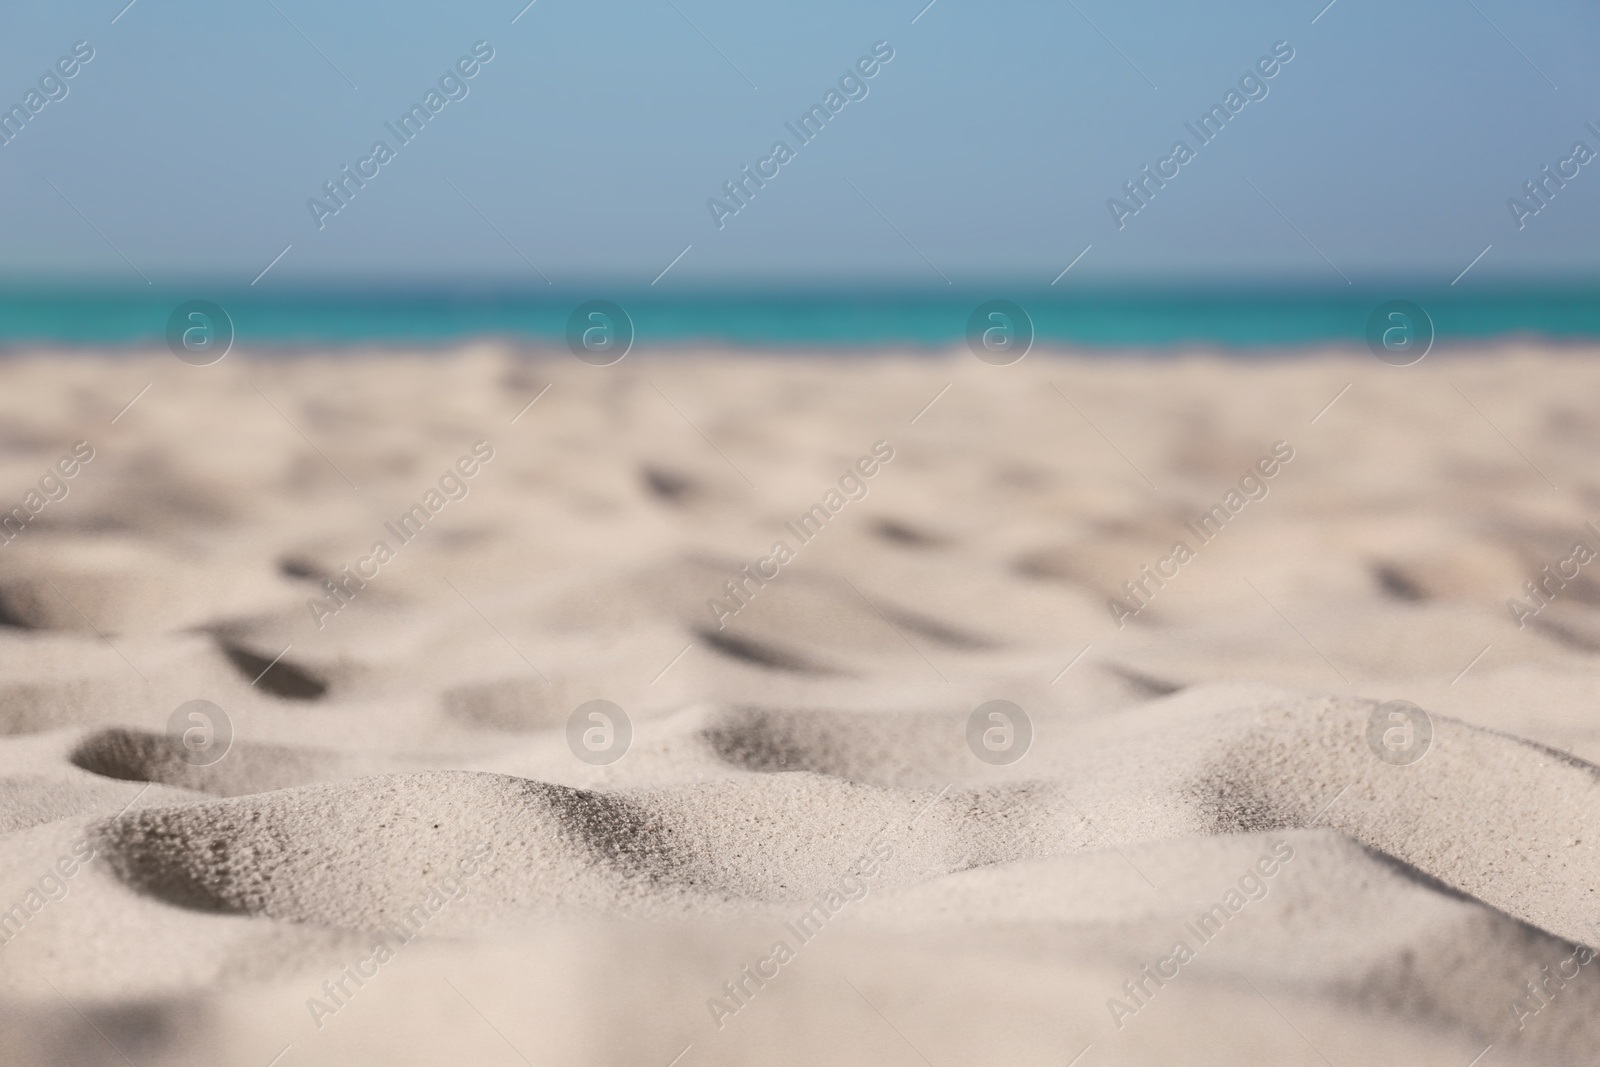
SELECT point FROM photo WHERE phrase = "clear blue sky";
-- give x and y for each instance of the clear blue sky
(990, 143)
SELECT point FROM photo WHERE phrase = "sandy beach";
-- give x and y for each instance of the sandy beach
(709, 708)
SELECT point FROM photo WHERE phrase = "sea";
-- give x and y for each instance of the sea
(1109, 319)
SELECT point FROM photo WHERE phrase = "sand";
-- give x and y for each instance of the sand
(398, 849)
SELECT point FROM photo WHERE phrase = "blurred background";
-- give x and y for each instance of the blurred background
(978, 165)
(172, 168)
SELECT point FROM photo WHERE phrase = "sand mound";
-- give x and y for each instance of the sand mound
(799, 770)
(886, 748)
(345, 854)
(1533, 852)
(248, 767)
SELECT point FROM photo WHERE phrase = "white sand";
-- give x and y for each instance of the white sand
(411, 757)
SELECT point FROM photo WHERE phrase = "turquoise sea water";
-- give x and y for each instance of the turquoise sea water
(769, 319)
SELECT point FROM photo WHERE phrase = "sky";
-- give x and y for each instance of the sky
(588, 146)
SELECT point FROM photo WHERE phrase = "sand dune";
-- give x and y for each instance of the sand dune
(401, 770)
